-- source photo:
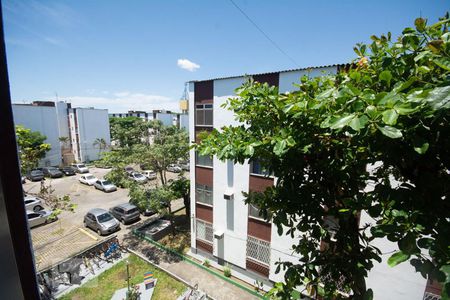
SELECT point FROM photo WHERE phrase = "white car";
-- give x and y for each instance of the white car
(80, 168)
(150, 174)
(32, 203)
(174, 168)
(138, 177)
(36, 218)
(105, 185)
(88, 179)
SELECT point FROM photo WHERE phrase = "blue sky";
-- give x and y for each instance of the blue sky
(123, 55)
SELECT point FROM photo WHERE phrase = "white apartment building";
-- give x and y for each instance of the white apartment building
(227, 231)
(166, 117)
(82, 126)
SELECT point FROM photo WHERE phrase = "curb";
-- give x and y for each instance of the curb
(191, 261)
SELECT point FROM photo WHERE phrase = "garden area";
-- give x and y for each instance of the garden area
(104, 285)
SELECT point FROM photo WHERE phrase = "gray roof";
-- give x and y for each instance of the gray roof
(97, 211)
(126, 206)
(273, 72)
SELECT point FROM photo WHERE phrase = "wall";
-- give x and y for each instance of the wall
(92, 124)
(184, 122)
(287, 79)
(165, 118)
(44, 120)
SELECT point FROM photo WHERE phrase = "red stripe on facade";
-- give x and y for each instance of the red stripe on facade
(259, 229)
(204, 212)
(204, 176)
(270, 78)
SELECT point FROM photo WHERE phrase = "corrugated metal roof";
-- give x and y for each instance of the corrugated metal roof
(274, 72)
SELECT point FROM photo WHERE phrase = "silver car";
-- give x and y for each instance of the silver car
(138, 177)
(36, 218)
(80, 168)
(101, 221)
(105, 185)
(174, 168)
(33, 203)
(149, 174)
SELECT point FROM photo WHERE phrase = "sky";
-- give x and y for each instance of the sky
(137, 55)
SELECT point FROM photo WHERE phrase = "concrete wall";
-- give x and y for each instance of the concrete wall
(44, 120)
(184, 122)
(92, 124)
(165, 118)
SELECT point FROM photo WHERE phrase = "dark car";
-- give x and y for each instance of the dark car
(125, 213)
(35, 175)
(145, 208)
(128, 169)
(52, 172)
(68, 170)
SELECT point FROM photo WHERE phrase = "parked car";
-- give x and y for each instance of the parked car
(174, 168)
(105, 185)
(88, 179)
(80, 168)
(36, 218)
(184, 166)
(68, 170)
(150, 174)
(101, 221)
(129, 169)
(138, 177)
(33, 203)
(35, 175)
(125, 213)
(52, 172)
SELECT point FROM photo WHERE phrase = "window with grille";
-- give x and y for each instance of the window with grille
(204, 231)
(258, 250)
(203, 160)
(430, 296)
(204, 194)
(204, 114)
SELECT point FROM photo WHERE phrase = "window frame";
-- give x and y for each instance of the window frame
(197, 155)
(265, 173)
(204, 189)
(208, 226)
(202, 109)
(260, 245)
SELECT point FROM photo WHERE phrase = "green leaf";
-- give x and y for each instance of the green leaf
(420, 24)
(397, 258)
(408, 244)
(439, 97)
(280, 147)
(390, 116)
(249, 150)
(443, 62)
(368, 295)
(405, 108)
(422, 147)
(341, 121)
(386, 76)
(392, 132)
(357, 123)
(400, 86)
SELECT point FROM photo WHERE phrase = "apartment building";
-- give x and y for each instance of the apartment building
(167, 117)
(55, 120)
(227, 231)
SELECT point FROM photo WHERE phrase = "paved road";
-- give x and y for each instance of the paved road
(67, 236)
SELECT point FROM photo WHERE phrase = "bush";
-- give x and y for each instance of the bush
(227, 270)
(119, 178)
(206, 263)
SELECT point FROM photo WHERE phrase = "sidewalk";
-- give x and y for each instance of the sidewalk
(214, 286)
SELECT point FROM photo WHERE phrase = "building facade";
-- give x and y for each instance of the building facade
(80, 126)
(167, 118)
(225, 230)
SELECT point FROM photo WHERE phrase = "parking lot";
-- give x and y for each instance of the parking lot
(54, 242)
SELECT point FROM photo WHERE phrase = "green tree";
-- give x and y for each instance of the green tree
(169, 145)
(129, 131)
(101, 144)
(181, 189)
(32, 147)
(57, 204)
(389, 108)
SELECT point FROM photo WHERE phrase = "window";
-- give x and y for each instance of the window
(204, 194)
(204, 114)
(203, 160)
(254, 212)
(258, 250)
(258, 169)
(204, 231)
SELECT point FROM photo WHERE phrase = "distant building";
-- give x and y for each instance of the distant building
(81, 127)
(166, 117)
(226, 230)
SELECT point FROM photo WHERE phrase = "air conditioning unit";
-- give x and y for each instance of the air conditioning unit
(228, 194)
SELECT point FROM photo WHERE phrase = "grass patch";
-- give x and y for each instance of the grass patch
(104, 285)
(180, 242)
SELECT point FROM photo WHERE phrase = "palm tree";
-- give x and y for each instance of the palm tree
(64, 140)
(101, 144)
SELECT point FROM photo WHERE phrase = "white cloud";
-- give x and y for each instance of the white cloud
(121, 102)
(187, 64)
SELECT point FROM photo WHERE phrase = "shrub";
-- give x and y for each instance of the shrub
(227, 270)
(206, 263)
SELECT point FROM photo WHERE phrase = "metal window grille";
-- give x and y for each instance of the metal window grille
(204, 231)
(203, 194)
(258, 250)
(430, 296)
(326, 278)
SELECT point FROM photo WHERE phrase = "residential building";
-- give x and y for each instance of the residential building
(56, 120)
(167, 117)
(225, 230)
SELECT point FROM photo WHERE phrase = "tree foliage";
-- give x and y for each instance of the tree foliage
(32, 147)
(181, 189)
(129, 131)
(372, 139)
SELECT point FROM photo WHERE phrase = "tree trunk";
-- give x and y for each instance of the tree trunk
(161, 177)
(187, 205)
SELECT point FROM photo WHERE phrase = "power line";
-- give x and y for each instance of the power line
(265, 35)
